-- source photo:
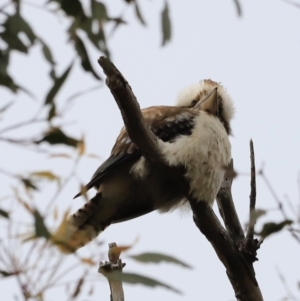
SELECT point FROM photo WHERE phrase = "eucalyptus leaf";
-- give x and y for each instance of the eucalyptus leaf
(270, 228)
(157, 258)
(85, 60)
(29, 184)
(4, 214)
(13, 26)
(255, 215)
(58, 82)
(13, 42)
(139, 14)
(166, 24)
(6, 274)
(139, 279)
(45, 174)
(47, 53)
(99, 11)
(40, 227)
(71, 8)
(57, 136)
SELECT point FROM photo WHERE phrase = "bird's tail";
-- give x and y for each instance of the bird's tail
(80, 228)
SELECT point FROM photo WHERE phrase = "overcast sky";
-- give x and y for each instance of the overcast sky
(256, 57)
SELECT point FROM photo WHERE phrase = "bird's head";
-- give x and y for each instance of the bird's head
(210, 97)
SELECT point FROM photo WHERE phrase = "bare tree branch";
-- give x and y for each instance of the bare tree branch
(242, 280)
(227, 208)
(137, 129)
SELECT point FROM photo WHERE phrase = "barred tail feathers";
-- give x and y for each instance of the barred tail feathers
(80, 228)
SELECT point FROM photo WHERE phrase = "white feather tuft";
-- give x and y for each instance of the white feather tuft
(202, 89)
(188, 94)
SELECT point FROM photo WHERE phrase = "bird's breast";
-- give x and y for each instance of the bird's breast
(204, 154)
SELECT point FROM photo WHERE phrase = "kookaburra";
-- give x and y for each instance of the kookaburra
(192, 136)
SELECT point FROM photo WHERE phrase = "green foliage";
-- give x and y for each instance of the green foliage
(99, 11)
(57, 136)
(5, 274)
(139, 14)
(82, 53)
(166, 24)
(39, 225)
(5, 79)
(58, 82)
(158, 258)
(4, 213)
(270, 228)
(12, 27)
(92, 25)
(255, 215)
(139, 279)
(28, 183)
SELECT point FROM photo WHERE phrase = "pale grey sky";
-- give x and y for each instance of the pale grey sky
(256, 57)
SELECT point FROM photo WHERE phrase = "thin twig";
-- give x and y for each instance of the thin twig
(274, 194)
(55, 269)
(40, 272)
(16, 271)
(298, 184)
(290, 295)
(121, 16)
(83, 92)
(21, 124)
(8, 173)
(3, 259)
(238, 7)
(60, 276)
(279, 203)
(21, 142)
(64, 184)
(250, 232)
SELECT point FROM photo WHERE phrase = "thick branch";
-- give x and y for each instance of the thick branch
(114, 264)
(227, 208)
(245, 287)
(136, 127)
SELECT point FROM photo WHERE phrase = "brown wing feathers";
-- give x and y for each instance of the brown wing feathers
(166, 123)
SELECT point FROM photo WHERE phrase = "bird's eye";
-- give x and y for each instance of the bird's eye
(193, 103)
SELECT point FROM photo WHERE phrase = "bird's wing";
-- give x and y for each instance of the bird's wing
(166, 122)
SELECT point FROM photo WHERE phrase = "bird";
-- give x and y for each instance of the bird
(193, 137)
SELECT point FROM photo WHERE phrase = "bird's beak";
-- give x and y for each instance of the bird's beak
(210, 104)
